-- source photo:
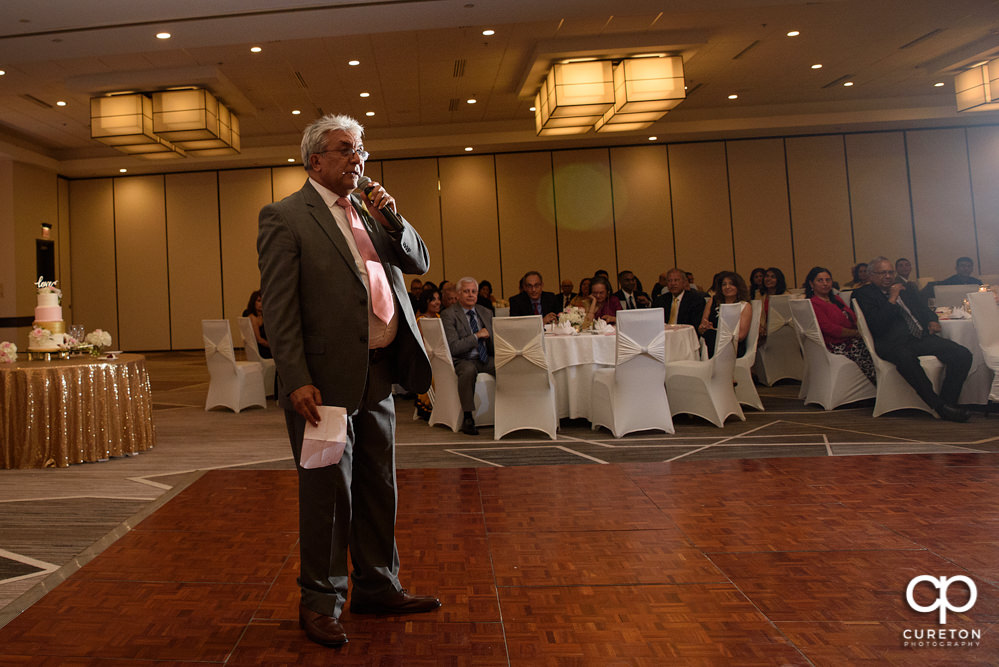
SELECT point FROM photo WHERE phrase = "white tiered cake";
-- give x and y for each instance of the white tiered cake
(48, 316)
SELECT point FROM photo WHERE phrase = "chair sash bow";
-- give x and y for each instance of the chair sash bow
(627, 348)
(223, 347)
(533, 352)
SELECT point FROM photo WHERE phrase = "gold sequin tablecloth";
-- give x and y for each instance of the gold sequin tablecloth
(54, 413)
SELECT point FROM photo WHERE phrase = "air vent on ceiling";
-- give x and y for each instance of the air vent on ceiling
(454, 104)
(32, 98)
(745, 50)
(459, 68)
(931, 33)
(301, 80)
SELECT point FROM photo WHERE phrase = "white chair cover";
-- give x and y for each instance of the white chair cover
(832, 379)
(951, 295)
(525, 392)
(779, 358)
(444, 395)
(745, 388)
(632, 396)
(986, 318)
(704, 388)
(893, 392)
(233, 384)
(267, 366)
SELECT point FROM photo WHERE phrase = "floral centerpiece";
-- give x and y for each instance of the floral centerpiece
(99, 339)
(574, 316)
(8, 353)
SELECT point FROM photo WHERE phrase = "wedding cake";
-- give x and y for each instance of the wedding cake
(48, 317)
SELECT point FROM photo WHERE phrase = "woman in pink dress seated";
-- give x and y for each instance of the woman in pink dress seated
(837, 321)
(603, 305)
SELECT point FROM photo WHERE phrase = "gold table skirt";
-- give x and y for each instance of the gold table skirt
(55, 413)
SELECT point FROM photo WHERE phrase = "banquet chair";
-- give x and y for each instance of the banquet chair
(985, 315)
(631, 396)
(705, 388)
(893, 392)
(525, 391)
(779, 358)
(446, 404)
(234, 384)
(832, 379)
(745, 389)
(951, 295)
(253, 354)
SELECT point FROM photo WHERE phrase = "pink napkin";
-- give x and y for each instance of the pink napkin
(323, 444)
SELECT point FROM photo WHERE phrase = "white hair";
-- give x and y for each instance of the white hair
(314, 136)
(467, 279)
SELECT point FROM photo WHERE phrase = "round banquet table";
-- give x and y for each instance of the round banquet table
(55, 413)
(573, 359)
(976, 387)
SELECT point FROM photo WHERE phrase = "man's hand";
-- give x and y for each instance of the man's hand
(934, 327)
(380, 198)
(306, 400)
(894, 291)
(482, 333)
(549, 318)
(642, 301)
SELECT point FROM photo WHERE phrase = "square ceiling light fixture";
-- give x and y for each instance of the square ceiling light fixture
(196, 121)
(977, 89)
(573, 97)
(645, 89)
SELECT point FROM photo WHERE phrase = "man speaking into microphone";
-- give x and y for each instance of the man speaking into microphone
(342, 331)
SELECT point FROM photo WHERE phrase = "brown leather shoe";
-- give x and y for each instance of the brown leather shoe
(321, 629)
(397, 603)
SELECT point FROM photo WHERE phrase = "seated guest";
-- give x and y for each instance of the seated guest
(415, 289)
(256, 314)
(486, 296)
(859, 272)
(756, 282)
(773, 284)
(680, 304)
(602, 273)
(468, 328)
(904, 329)
(603, 305)
(837, 322)
(903, 269)
(582, 300)
(693, 285)
(449, 294)
(428, 305)
(963, 267)
(534, 300)
(659, 287)
(566, 295)
(731, 289)
(630, 294)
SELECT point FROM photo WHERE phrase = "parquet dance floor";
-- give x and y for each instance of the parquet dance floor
(780, 561)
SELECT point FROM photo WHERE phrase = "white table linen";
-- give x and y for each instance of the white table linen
(976, 387)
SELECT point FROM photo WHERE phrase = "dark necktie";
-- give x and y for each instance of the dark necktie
(915, 328)
(631, 302)
(537, 307)
(473, 324)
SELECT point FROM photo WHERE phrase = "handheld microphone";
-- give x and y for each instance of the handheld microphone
(364, 183)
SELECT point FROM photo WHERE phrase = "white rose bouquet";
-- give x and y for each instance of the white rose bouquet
(8, 353)
(99, 339)
(572, 315)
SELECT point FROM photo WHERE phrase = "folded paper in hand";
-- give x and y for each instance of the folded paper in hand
(323, 444)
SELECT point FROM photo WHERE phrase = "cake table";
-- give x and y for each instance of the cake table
(84, 409)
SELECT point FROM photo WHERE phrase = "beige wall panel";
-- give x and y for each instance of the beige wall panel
(941, 199)
(701, 217)
(141, 250)
(242, 194)
(468, 217)
(373, 170)
(761, 221)
(95, 289)
(879, 195)
(983, 143)
(287, 180)
(820, 205)
(643, 222)
(414, 185)
(527, 221)
(195, 263)
(64, 249)
(584, 214)
(35, 201)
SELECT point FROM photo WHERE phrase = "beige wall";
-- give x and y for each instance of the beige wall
(160, 253)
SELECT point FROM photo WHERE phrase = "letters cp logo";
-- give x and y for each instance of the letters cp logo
(942, 602)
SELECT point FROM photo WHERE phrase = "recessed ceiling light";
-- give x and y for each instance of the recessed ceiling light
(255, 49)
(793, 33)
(163, 35)
(848, 83)
(369, 113)
(123, 170)
(291, 159)
(365, 94)
(468, 149)
(295, 112)
(938, 84)
(471, 100)
(2, 72)
(61, 103)
(733, 96)
(534, 109)
(817, 66)
(488, 31)
(653, 138)
(353, 63)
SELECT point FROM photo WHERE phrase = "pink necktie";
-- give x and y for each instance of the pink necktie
(378, 285)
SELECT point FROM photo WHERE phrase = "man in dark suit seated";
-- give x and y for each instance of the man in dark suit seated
(566, 295)
(904, 329)
(534, 300)
(681, 305)
(468, 328)
(629, 295)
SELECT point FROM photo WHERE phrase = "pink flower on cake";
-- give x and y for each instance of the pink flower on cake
(8, 353)
(39, 335)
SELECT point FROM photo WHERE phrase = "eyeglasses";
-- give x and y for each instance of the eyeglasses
(889, 272)
(349, 152)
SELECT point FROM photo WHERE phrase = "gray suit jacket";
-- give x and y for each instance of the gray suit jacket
(460, 338)
(315, 304)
